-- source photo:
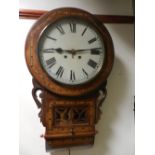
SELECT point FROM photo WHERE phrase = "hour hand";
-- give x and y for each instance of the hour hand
(59, 50)
(52, 50)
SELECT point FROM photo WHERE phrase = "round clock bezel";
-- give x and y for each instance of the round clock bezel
(36, 69)
(69, 84)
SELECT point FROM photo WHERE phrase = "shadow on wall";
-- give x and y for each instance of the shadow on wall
(123, 34)
(117, 91)
(117, 87)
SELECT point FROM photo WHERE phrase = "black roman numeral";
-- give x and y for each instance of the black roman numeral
(59, 27)
(95, 52)
(51, 62)
(51, 38)
(84, 31)
(92, 63)
(60, 72)
(72, 75)
(92, 40)
(85, 72)
(72, 27)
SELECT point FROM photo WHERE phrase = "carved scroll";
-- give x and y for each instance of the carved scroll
(37, 88)
(101, 97)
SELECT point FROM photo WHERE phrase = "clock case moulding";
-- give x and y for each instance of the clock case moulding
(69, 113)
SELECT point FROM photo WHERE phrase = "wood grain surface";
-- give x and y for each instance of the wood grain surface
(35, 14)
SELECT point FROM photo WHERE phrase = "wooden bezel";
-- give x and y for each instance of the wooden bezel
(41, 76)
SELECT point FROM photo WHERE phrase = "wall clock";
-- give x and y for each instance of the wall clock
(70, 56)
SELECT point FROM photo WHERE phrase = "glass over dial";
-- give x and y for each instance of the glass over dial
(71, 51)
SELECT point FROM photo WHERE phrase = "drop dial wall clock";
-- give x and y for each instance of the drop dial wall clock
(70, 56)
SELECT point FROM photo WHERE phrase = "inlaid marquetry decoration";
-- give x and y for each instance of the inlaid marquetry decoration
(70, 55)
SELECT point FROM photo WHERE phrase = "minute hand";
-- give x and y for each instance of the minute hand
(81, 50)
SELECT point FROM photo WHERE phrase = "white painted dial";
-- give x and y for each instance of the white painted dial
(71, 51)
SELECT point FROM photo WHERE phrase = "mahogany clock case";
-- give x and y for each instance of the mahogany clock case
(68, 112)
(33, 63)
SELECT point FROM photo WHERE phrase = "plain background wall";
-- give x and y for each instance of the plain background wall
(116, 126)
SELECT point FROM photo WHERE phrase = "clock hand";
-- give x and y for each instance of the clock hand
(73, 52)
(52, 50)
(81, 50)
(49, 50)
